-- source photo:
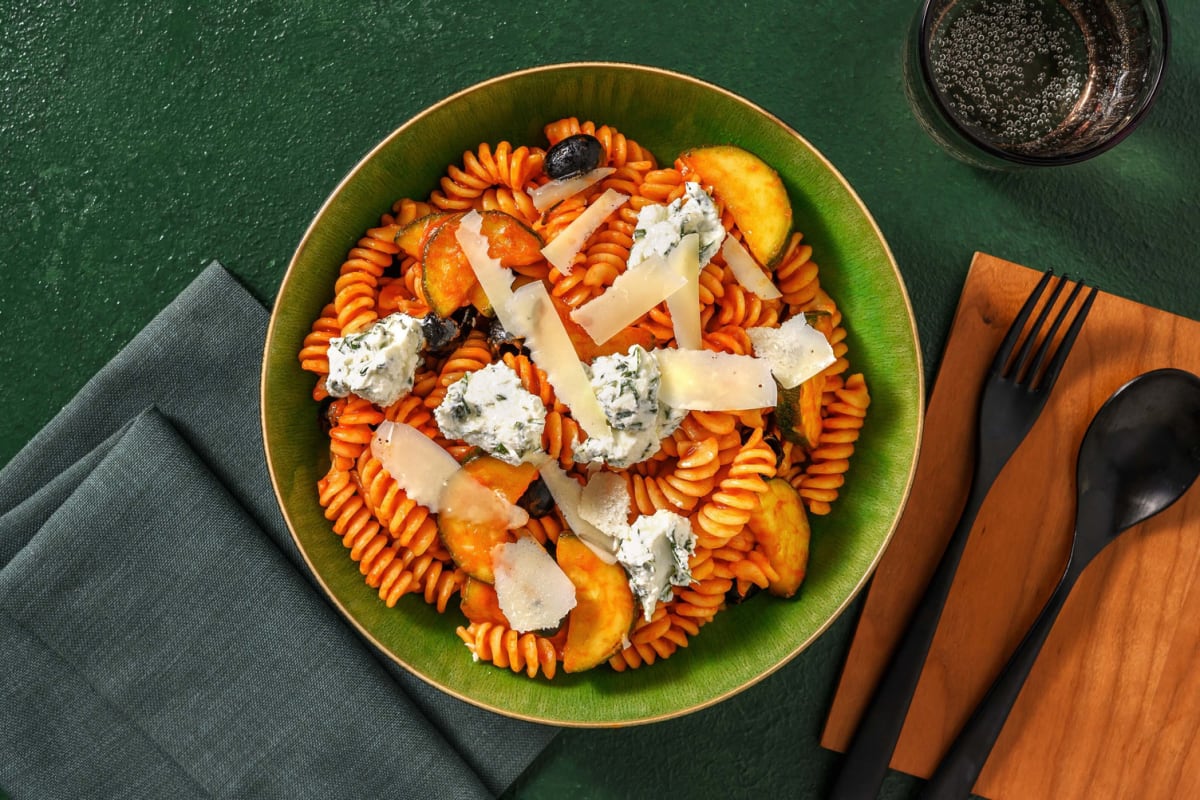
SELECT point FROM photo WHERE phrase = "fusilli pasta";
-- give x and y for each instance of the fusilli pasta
(712, 470)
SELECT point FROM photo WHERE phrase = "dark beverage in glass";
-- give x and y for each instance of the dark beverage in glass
(1007, 82)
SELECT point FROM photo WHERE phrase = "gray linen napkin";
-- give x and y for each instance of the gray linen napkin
(158, 629)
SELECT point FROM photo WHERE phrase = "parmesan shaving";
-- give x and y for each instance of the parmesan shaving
(747, 271)
(549, 194)
(418, 464)
(562, 251)
(684, 303)
(531, 315)
(702, 380)
(604, 503)
(567, 493)
(495, 279)
(632, 294)
(795, 350)
(532, 590)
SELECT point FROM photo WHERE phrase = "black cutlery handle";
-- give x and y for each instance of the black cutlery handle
(866, 762)
(968, 753)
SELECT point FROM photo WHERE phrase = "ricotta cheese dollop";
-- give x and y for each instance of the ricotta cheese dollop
(659, 228)
(378, 362)
(626, 387)
(491, 409)
(654, 553)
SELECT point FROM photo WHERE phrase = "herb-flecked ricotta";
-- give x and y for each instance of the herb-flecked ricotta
(378, 362)
(654, 552)
(627, 388)
(659, 228)
(491, 409)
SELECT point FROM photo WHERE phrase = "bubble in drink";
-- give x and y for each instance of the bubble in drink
(1011, 68)
(1033, 76)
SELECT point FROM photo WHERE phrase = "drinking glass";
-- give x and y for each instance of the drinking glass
(1004, 83)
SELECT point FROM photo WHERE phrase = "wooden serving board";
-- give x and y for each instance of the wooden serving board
(1112, 708)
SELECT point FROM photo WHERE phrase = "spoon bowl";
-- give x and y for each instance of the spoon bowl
(1139, 455)
(1142, 448)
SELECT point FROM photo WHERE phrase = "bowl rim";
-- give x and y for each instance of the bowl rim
(800, 646)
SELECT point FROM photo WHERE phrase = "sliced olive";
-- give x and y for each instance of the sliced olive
(503, 341)
(772, 441)
(572, 156)
(733, 598)
(324, 417)
(537, 499)
(440, 333)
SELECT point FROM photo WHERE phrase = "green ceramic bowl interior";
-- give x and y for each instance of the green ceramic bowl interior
(667, 113)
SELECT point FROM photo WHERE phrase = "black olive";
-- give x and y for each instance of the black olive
(497, 334)
(733, 597)
(443, 334)
(502, 341)
(466, 317)
(776, 447)
(537, 499)
(573, 156)
(439, 332)
(324, 418)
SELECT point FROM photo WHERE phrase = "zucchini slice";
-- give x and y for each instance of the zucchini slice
(469, 536)
(780, 526)
(446, 274)
(604, 606)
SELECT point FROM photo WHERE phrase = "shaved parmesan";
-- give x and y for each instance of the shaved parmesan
(567, 493)
(684, 303)
(470, 502)
(702, 380)
(533, 317)
(532, 590)
(419, 465)
(495, 279)
(795, 350)
(561, 252)
(747, 271)
(604, 503)
(632, 294)
(548, 194)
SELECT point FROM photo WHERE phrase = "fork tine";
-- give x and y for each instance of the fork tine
(1031, 376)
(1014, 330)
(1060, 356)
(1017, 370)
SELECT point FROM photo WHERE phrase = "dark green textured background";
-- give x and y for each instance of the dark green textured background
(137, 145)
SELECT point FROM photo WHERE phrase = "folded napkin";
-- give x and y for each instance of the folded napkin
(159, 632)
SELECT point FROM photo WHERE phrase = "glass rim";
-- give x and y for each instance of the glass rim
(1156, 80)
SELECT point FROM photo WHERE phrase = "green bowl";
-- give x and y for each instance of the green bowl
(667, 113)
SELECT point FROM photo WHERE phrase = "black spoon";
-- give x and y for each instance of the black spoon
(1139, 455)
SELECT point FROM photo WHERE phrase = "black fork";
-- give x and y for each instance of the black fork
(1014, 393)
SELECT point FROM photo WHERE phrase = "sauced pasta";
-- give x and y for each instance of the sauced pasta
(714, 469)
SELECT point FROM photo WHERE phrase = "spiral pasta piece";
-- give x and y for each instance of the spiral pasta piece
(353, 419)
(825, 473)
(659, 187)
(404, 520)
(543, 529)
(506, 648)
(355, 292)
(498, 178)
(472, 355)
(738, 495)
(404, 211)
(796, 274)
(361, 535)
